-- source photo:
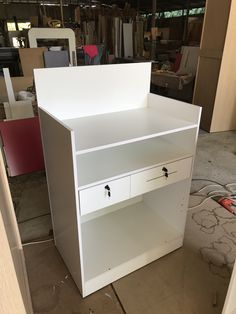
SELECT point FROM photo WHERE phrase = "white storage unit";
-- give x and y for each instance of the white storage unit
(119, 163)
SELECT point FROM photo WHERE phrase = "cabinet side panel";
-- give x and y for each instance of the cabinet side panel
(58, 154)
(175, 108)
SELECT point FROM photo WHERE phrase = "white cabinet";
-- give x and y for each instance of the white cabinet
(119, 163)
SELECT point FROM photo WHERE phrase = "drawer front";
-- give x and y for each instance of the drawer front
(104, 195)
(160, 176)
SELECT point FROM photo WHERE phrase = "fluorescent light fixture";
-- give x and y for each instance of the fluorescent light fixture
(54, 4)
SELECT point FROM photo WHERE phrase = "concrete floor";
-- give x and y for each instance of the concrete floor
(180, 283)
(216, 157)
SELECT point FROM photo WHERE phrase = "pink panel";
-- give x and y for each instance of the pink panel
(22, 145)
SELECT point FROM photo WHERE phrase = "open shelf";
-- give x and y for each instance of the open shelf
(113, 129)
(99, 166)
(123, 235)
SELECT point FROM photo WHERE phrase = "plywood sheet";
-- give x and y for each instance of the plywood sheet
(22, 145)
(225, 103)
(215, 24)
(204, 94)
(31, 58)
(212, 46)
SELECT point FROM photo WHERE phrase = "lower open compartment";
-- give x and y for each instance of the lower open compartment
(119, 241)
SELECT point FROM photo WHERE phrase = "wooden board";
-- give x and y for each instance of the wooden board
(204, 94)
(22, 145)
(92, 90)
(215, 25)
(128, 39)
(31, 58)
(224, 114)
(19, 83)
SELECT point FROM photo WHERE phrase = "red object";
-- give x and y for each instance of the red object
(228, 203)
(22, 145)
(177, 62)
(91, 50)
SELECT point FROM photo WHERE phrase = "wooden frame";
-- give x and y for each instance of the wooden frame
(54, 33)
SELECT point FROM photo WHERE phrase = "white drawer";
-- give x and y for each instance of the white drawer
(98, 196)
(157, 177)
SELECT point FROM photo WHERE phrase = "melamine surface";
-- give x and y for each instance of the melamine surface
(97, 166)
(112, 129)
(58, 144)
(100, 123)
(98, 197)
(120, 236)
(72, 92)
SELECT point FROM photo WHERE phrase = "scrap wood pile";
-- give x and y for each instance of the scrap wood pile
(105, 25)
